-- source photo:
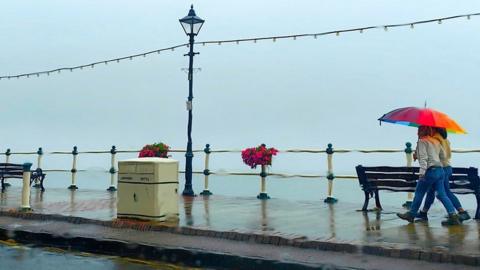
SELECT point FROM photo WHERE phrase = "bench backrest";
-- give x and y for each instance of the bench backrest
(10, 170)
(462, 181)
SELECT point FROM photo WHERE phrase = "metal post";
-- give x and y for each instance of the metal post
(188, 191)
(39, 165)
(7, 160)
(73, 186)
(409, 157)
(263, 192)
(206, 172)
(26, 187)
(330, 175)
(112, 171)
(7, 155)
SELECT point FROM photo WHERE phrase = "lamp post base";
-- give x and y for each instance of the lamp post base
(330, 200)
(188, 193)
(263, 196)
(73, 187)
(206, 192)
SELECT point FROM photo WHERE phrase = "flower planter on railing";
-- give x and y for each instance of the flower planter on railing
(260, 156)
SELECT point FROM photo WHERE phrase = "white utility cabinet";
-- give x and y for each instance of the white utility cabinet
(147, 188)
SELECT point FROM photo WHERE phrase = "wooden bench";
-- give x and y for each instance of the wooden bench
(404, 179)
(10, 170)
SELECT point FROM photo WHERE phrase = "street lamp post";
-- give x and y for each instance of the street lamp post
(191, 25)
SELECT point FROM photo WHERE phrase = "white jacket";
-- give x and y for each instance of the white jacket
(429, 153)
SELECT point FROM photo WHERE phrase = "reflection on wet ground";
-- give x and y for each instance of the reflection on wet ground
(313, 219)
(20, 257)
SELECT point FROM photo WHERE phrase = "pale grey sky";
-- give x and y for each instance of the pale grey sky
(288, 94)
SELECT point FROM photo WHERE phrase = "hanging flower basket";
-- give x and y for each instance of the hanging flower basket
(260, 155)
(154, 150)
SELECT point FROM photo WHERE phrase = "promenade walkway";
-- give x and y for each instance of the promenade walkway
(307, 224)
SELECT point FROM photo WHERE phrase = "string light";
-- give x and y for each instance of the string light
(237, 41)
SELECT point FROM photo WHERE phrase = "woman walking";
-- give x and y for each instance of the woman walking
(463, 215)
(429, 153)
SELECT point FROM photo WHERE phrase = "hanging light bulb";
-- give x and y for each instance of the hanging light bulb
(219, 43)
(385, 28)
(294, 37)
(361, 31)
(237, 42)
(468, 17)
(274, 39)
(439, 21)
(315, 36)
(338, 34)
(412, 26)
(254, 41)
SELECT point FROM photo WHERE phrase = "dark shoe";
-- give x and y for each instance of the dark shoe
(451, 220)
(462, 216)
(406, 216)
(422, 216)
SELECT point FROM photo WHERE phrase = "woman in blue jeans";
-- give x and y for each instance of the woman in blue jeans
(462, 214)
(429, 153)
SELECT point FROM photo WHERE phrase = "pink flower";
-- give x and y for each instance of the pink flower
(260, 155)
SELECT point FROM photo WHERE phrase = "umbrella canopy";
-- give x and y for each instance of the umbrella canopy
(413, 116)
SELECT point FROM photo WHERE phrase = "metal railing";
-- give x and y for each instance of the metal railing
(329, 151)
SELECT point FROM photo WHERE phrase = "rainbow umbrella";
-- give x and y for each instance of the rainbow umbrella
(414, 117)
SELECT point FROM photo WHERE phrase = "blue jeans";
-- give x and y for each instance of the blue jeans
(433, 179)
(431, 193)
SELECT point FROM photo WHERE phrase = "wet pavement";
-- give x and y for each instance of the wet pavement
(341, 222)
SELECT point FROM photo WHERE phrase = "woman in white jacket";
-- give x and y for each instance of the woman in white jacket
(430, 152)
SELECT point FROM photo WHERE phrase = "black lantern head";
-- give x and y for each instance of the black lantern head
(191, 23)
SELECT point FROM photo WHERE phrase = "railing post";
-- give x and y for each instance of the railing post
(39, 165)
(73, 186)
(7, 155)
(409, 157)
(7, 160)
(263, 190)
(206, 172)
(112, 171)
(330, 175)
(26, 187)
